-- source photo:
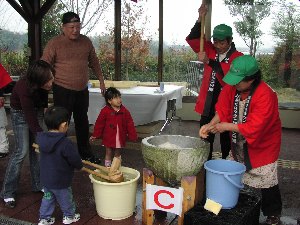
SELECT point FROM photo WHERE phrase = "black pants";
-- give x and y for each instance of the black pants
(76, 102)
(271, 204)
(224, 139)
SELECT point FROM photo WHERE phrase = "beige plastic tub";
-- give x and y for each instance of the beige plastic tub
(116, 201)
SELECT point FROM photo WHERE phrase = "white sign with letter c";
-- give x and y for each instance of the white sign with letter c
(164, 198)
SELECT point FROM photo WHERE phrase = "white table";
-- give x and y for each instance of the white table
(144, 103)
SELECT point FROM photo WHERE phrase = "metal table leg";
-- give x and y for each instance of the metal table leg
(170, 113)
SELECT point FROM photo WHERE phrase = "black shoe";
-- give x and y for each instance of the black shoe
(273, 220)
(3, 155)
(10, 204)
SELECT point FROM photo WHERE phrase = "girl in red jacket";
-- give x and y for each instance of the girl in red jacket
(248, 108)
(114, 125)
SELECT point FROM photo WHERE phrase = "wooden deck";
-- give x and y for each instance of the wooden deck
(28, 203)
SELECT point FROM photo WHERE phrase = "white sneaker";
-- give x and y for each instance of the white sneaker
(69, 220)
(48, 221)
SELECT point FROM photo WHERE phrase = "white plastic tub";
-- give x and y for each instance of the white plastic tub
(116, 201)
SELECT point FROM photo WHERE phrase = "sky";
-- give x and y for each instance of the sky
(179, 18)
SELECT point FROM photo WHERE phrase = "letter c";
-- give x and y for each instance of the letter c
(161, 205)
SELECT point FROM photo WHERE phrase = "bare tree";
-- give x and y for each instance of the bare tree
(90, 11)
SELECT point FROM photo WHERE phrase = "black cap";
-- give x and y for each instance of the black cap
(70, 17)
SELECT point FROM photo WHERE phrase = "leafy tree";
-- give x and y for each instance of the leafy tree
(268, 70)
(176, 59)
(134, 47)
(15, 63)
(134, 43)
(51, 23)
(12, 56)
(106, 56)
(286, 30)
(249, 14)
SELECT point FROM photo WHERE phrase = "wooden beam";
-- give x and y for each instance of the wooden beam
(208, 20)
(46, 7)
(117, 40)
(27, 7)
(20, 10)
(34, 32)
(160, 42)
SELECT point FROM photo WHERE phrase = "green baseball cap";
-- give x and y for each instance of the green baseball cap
(241, 67)
(222, 31)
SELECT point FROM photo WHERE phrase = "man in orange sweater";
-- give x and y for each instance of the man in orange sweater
(71, 53)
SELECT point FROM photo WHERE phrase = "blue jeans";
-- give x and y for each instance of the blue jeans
(23, 142)
(64, 198)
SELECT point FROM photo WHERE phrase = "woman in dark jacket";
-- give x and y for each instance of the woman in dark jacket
(28, 100)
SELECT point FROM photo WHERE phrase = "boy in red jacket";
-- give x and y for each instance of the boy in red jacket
(114, 125)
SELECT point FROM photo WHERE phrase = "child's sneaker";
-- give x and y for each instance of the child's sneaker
(107, 163)
(48, 221)
(69, 220)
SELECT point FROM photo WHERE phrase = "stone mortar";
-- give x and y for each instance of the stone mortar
(185, 156)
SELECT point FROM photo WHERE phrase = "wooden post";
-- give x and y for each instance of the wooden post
(189, 186)
(147, 215)
(202, 30)
(200, 186)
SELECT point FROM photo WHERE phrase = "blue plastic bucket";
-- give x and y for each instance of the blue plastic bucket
(224, 181)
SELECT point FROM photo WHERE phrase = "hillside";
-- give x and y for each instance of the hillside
(10, 41)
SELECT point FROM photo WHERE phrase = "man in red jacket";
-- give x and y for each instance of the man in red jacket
(217, 57)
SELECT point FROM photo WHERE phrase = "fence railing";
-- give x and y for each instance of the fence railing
(194, 77)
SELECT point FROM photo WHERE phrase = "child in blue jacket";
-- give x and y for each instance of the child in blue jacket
(58, 159)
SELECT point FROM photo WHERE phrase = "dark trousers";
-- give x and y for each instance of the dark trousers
(224, 138)
(271, 204)
(76, 102)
